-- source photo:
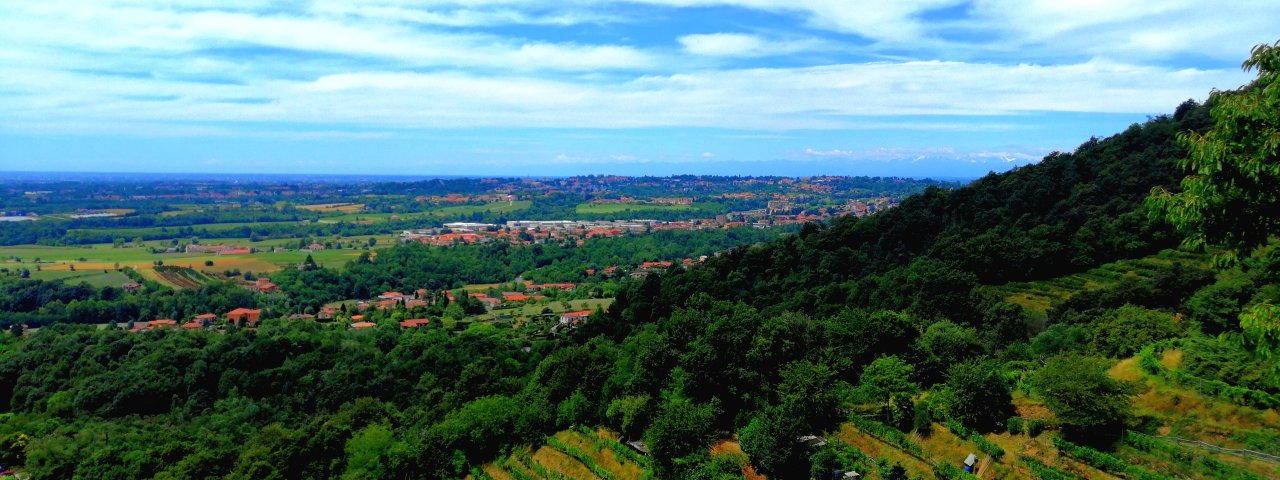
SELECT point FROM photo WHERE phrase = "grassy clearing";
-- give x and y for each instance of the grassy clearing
(333, 207)
(96, 278)
(441, 212)
(877, 449)
(1186, 413)
(520, 316)
(56, 262)
(612, 208)
(210, 228)
(496, 207)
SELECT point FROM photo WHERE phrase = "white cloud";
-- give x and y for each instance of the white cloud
(148, 33)
(722, 44)
(928, 153)
(744, 45)
(827, 97)
(112, 66)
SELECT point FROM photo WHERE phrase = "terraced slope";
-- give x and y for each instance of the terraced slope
(1038, 296)
(570, 454)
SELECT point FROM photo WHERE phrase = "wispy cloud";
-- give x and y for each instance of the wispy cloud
(746, 45)
(769, 71)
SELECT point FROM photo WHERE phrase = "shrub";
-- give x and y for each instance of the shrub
(1014, 425)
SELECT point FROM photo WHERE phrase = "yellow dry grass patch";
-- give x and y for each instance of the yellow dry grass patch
(1171, 359)
(497, 473)
(1214, 420)
(606, 434)
(514, 464)
(603, 457)
(556, 461)
(1041, 448)
(877, 449)
(1126, 370)
(945, 446)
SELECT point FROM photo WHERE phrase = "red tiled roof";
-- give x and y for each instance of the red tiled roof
(363, 325)
(245, 314)
(415, 322)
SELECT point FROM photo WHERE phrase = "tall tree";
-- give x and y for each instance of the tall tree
(976, 396)
(1090, 405)
(1232, 195)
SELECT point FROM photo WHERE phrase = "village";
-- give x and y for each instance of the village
(527, 232)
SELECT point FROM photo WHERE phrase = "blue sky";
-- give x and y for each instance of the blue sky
(516, 87)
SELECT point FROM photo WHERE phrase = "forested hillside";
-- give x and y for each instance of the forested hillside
(890, 337)
(1068, 213)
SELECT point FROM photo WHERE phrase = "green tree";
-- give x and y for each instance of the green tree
(681, 428)
(889, 380)
(770, 441)
(807, 395)
(365, 452)
(1090, 405)
(976, 396)
(1229, 198)
(628, 412)
(575, 410)
(944, 344)
(1125, 330)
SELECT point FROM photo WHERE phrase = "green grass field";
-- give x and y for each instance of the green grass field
(611, 208)
(56, 262)
(441, 212)
(96, 278)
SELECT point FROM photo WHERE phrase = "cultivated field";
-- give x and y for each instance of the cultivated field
(46, 262)
(333, 207)
(576, 454)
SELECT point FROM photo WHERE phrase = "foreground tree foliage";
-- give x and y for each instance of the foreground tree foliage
(1229, 197)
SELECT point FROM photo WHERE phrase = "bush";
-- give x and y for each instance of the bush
(1106, 462)
(1014, 425)
(1035, 427)
(985, 445)
(1045, 472)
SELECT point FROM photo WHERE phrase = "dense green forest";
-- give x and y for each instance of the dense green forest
(891, 323)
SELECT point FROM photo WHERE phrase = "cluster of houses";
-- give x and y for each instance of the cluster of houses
(250, 317)
(524, 232)
(263, 285)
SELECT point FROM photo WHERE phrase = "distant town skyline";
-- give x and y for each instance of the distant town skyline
(922, 88)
